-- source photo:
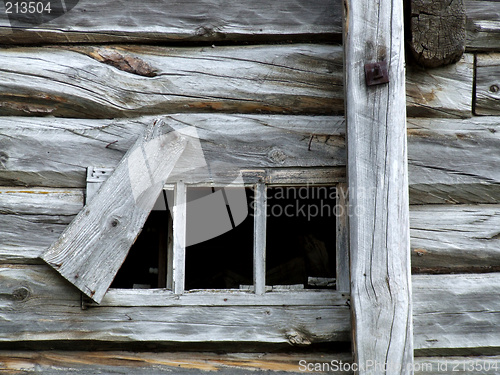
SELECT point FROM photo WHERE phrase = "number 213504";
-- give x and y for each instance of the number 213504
(27, 7)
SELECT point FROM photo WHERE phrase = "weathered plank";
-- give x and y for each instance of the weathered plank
(148, 363)
(377, 176)
(94, 21)
(456, 314)
(259, 238)
(450, 161)
(483, 25)
(91, 82)
(454, 161)
(124, 81)
(179, 238)
(440, 92)
(437, 34)
(343, 280)
(93, 247)
(31, 220)
(487, 100)
(37, 304)
(455, 238)
(453, 314)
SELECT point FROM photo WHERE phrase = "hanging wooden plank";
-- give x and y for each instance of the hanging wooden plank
(487, 100)
(93, 21)
(179, 238)
(294, 79)
(378, 187)
(95, 244)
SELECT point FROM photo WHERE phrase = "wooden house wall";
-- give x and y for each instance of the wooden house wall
(88, 83)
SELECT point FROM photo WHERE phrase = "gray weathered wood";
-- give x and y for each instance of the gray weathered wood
(166, 21)
(92, 248)
(437, 34)
(456, 314)
(179, 238)
(79, 82)
(487, 100)
(440, 92)
(377, 172)
(37, 304)
(259, 239)
(483, 25)
(342, 239)
(450, 161)
(455, 238)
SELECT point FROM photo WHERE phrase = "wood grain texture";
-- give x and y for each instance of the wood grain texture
(453, 314)
(437, 31)
(487, 100)
(342, 240)
(259, 238)
(441, 92)
(92, 248)
(116, 81)
(377, 172)
(455, 238)
(150, 21)
(32, 310)
(483, 25)
(78, 82)
(456, 314)
(148, 363)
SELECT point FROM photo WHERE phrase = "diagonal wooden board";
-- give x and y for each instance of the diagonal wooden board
(93, 247)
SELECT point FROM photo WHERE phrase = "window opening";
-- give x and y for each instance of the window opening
(301, 236)
(226, 260)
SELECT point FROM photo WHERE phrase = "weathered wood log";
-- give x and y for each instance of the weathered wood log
(453, 314)
(450, 161)
(66, 82)
(457, 238)
(116, 81)
(483, 25)
(37, 304)
(440, 92)
(377, 176)
(487, 100)
(456, 314)
(437, 36)
(94, 21)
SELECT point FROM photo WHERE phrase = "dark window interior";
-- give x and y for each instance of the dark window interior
(300, 244)
(223, 262)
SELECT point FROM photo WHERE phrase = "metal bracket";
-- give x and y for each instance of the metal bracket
(376, 73)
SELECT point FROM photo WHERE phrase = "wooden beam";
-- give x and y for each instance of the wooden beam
(293, 79)
(483, 25)
(172, 22)
(487, 84)
(93, 247)
(342, 240)
(378, 187)
(179, 238)
(259, 238)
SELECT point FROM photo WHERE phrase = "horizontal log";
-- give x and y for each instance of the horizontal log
(456, 314)
(124, 81)
(452, 314)
(483, 25)
(93, 21)
(457, 238)
(107, 82)
(487, 100)
(37, 304)
(148, 363)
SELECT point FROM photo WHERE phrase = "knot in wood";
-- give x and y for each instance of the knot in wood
(114, 223)
(21, 294)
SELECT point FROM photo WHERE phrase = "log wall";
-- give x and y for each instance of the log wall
(75, 98)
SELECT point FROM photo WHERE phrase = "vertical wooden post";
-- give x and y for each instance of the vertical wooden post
(342, 243)
(259, 242)
(179, 251)
(378, 188)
